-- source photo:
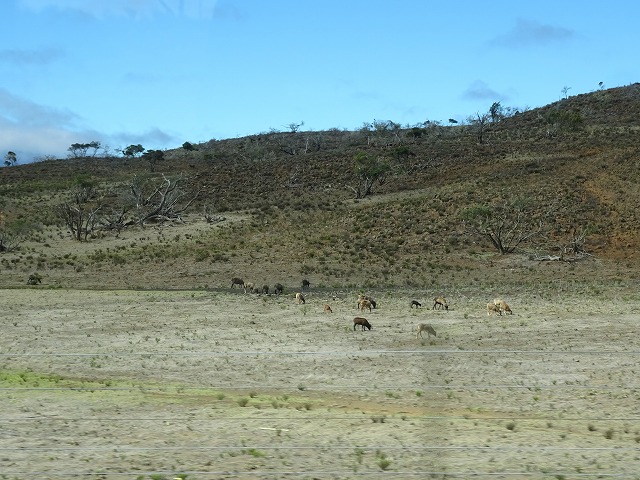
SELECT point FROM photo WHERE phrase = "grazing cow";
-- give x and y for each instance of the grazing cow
(415, 303)
(327, 308)
(440, 303)
(249, 287)
(502, 305)
(363, 322)
(369, 299)
(306, 284)
(278, 288)
(493, 308)
(265, 289)
(425, 327)
(300, 298)
(237, 281)
(364, 304)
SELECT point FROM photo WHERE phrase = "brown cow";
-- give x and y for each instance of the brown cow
(363, 322)
(440, 303)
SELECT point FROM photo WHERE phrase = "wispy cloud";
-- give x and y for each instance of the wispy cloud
(19, 57)
(531, 33)
(15, 109)
(479, 90)
(45, 130)
(153, 136)
(50, 131)
(202, 9)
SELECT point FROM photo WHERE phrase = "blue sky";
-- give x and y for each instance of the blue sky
(162, 72)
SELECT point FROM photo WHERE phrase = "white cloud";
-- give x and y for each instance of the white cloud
(30, 143)
(153, 136)
(15, 109)
(33, 130)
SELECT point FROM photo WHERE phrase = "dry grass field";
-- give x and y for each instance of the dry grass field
(201, 385)
(132, 358)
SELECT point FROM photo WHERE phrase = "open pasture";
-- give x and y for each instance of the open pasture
(221, 384)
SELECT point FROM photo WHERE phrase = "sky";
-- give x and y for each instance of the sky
(163, 72)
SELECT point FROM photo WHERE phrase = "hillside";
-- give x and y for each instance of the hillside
(289, 209)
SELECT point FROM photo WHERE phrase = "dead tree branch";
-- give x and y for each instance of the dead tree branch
(80, 214)
(160, 202)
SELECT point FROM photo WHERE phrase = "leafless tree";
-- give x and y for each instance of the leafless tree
(294, 127)
(479, 122)
(575, 246)
(506, 225)
(80, 213)
(116, 220)
(160, 199)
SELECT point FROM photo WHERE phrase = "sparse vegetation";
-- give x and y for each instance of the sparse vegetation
(135, 335)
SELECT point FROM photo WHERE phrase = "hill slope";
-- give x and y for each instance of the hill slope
(290, 213)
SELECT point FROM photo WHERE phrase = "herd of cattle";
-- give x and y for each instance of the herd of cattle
(498, 306)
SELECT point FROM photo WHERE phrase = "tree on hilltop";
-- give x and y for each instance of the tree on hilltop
(133, 151)
(81, 150)
(10, 159)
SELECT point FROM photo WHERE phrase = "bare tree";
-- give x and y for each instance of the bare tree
(116, 220)
(159, 200)
(80, 213)
(575, 246)
(506, 225)
(367, 131)
(479, 122)
(294, 127)
(573, 249)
